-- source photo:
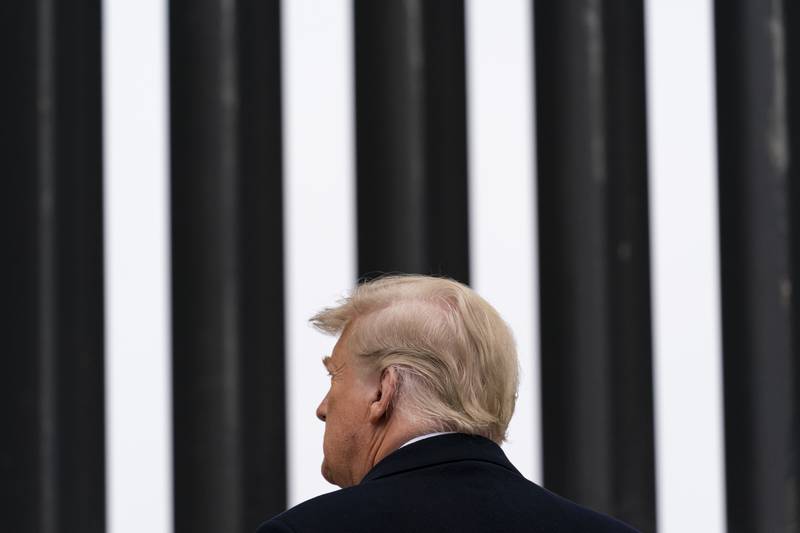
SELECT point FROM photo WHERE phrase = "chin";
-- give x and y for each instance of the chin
(326, 472)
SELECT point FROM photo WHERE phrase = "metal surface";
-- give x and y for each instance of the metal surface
(227, 264)
(594, 257)
(760, 357)
(52, 457)
(411, 137)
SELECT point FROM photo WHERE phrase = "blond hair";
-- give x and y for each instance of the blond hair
(455, 356)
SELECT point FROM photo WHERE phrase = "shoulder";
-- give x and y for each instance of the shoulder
(276, 525)
(412, 503)
(565, 515)
(317, 514)
(579, 518)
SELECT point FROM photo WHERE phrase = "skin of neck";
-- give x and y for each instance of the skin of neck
(389, 428)
(389, 438)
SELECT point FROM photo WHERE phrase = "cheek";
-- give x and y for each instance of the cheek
(341, 425)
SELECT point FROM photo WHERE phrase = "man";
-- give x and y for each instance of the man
(423, 384)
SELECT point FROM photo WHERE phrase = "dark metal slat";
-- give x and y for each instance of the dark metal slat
(227, 269)
(52, 454)
(594, 256)
(411, 137)
(760, 358)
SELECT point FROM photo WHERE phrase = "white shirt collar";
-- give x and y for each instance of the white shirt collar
(427, 436)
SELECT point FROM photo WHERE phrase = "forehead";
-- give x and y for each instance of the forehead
(338, 356)
(342, 356)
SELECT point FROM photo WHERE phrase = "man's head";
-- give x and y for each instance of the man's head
(422, 353)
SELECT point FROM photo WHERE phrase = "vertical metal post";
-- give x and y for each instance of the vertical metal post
(760, 356)
(52, 456)
(594, 256)
(227, 270)
(411, 137)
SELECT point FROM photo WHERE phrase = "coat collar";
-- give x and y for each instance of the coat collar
(437, 450)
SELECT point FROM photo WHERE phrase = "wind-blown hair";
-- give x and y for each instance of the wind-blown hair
(455, 356)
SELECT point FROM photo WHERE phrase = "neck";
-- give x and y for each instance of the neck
(389, 438)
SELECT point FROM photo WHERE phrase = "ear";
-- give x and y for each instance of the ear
(382, 402)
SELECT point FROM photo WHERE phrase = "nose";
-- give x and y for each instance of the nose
(322, 409)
